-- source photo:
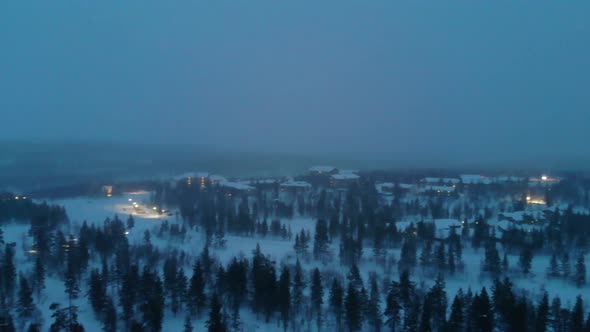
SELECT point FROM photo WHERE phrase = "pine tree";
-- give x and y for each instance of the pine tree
(128, 292)
(406, 289)
(451, 260)
(483, 312)
(438, 302)
(412, 316)
(553, 270)
(352, 305)
(26, 306)
(196, 291)
(505, 263)
(393, 306)
(317, 294)
(188, 325)
(525, 260)
(374, 308)
(408, 255)
(336, 301)
(441, 261)
(425, 325)
(109, 322)
(7, 323)
(284, 296)
(492, 259)
(354, 277)
(542, 314)
(216, 322)
(8, 277)
(96, 292)
(565, 265)
(72, 287)
(321, 240)
(39, 276)
(298, 287)
(580, 271)
(456, 318)
(576, 323)
(426, 255)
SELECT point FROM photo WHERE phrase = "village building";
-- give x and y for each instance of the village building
(295, 187)
(236, 188)
(322, 170)
(343, 180)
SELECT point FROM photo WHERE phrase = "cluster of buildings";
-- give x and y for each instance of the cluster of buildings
(446, 186)
(316, 176)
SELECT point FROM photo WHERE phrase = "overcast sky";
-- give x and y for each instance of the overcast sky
(428, 79)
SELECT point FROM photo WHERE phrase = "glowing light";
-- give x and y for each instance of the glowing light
(16, 197)
(130, 200)
(126, 232)
(109, 195)
(24, 197)
(32, 251)
(154, 208)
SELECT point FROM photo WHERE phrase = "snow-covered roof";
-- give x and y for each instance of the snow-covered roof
(443, 227)
(296, 184)
(508, 179)
(519, 216)
(440, 180)
(217, 178)
(236, 185)
(438, 188)
(475, 179)
(322, 169)
(346, 171)
(345, 176)
(192, 175)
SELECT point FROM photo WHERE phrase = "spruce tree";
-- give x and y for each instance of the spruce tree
(317, 295)
(553, 270)
(525, 260)
(580, 277)
(425, 324)
(374, 308)
(456, 318)
(26, 306)
(576, 323)
(321, 240)
(565, 265)
(441, 261)
(188, 325)
(39, 276)
(196, 292)
(352, 305)
(96, 292)
(336, 302)
(393, 306)
(8, 270)
(109, 321)
(298, 287)
(438, 302)
(542, 315)
(216, 322)
(284, 296)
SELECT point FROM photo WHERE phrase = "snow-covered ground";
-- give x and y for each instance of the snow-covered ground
(96, 210)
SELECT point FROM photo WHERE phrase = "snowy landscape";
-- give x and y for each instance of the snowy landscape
(329, 250)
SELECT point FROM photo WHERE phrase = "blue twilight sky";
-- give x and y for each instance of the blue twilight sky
(424, 80)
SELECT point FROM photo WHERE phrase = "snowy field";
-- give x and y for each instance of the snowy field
(96, 210)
